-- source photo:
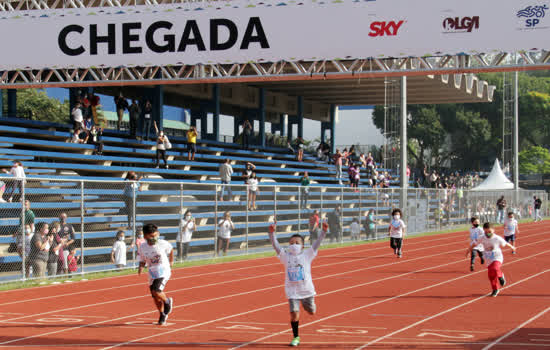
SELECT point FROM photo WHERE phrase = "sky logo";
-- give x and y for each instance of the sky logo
(533, 14)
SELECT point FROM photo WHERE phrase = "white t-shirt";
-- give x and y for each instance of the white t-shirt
(224, 231)
(253, 184)
(120, 252)
(491, 247)
(298, 282)
(355, 228)
(396, 228)
(510, 227)
(476, 233)
(187, 228)
(156, 259)
(77, 115)
(18, 172)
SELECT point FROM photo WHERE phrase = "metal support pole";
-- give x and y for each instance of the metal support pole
(247, 203)
(299, 209)
(360, 214)
(23, 233)
(181, 220)
(515, 145)
(134, 212)
(376, 215)
(82, 227)
(403, 146)
(341, 214)
(215, 218)
(275, 203)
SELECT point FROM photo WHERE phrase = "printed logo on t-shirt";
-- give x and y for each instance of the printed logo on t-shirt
(296, 273)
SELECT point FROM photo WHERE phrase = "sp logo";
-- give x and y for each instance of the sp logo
(389, 28)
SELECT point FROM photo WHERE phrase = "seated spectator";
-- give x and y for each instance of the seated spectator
(290, 148)
(96, 134)
(299, 142)
(79, 136)
(88, 124)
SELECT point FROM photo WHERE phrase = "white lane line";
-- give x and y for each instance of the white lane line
(495, 342)
(452, 331)
(213, 273)
(454, 308)
(386, 300)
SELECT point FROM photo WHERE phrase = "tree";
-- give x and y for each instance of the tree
(35, 104)
(534, 160)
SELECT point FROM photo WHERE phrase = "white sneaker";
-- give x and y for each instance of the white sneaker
(2, 200)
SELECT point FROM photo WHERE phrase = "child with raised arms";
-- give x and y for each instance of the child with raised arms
(476, 233)
(493, 255)
(158, 256)
(298, 282)
(511, 229)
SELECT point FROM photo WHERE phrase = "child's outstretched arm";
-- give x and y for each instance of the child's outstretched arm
(317, 243)
(273, 239)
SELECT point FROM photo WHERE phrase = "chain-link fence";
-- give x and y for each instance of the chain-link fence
(54, 227)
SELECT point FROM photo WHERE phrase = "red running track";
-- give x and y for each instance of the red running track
(366, 299)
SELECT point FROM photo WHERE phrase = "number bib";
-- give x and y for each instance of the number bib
(296, 274)
(156, 271)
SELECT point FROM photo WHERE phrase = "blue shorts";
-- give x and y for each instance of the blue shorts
(511, 238)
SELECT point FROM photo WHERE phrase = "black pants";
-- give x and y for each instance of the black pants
(133, 126)
(129, 210)
(11, 185)
(396, 243)
(473, 257)
(161, 153)
(246, 138)
(183, 249)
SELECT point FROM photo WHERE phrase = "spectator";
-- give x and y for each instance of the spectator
(118, 253)
(85, 106)
(353, 173)
(370, 224)
(40, 247)
(338, 162)
(334, 224)
(121, 105)
(252, 191)
(501, 206)
(94, 105)
(304, 189)
(2, 189)
(191, 143)
(78, 119)
(314, 223)
(138, 242)
(248, 170)
(370, 161)
(147, 117)
(66, 233)
(363, 161)
(18, 172)
(247, 132)
(56, 247)
(73, 261)
(299, 142)
(131, 186)
(96, 134)
(185, 234)
(290, 148)
(135, 112)
(537, 204)
(88, 124)
(433, 179)
(355, 229)
(226, 170)
(28, 234)
(77, 136)
(162, 145)
(345, 157)
(225, 227)
(351, 154)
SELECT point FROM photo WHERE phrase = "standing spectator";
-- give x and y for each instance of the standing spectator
(85, 106)
(131, 185)
(433, 179)
(370, 224)
(118, 253)
(353, 174)
(135, 112)
(314, 223)
(363, 160)
(355, 229)
(226, 170)
(252, 191)
(138, 242)
(56, 247)
(121, 105)
(334, 224)
(66, 233)
(338, 162)
(73, 261)
(225, 227)
(304, 188)
(96, 135)
(248, 170)
(78, 119)
(27, 236)
(162, 145)
(247, 132)
(537, 204)
(18, 172)
(299, 142)
(95, 103)
(40, 247)
(185, 234)
(501, 206)
(191, 143)
(147, 117)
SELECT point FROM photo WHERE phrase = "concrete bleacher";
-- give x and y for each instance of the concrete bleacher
(56, 167)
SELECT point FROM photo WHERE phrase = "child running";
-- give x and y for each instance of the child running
(298, 283)
(491, 250)
(396, 232)
(476, 233)
(510, 230)
(158, 255)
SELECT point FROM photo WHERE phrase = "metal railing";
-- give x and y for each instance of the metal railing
(97, 210)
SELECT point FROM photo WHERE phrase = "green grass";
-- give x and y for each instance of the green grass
(130, 271)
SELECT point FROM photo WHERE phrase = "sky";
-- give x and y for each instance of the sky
(353, 126)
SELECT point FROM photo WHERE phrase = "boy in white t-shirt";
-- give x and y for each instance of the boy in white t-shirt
(158, 256)
(493, 255)
(298, 282)
(118, 253)
(511, 229)
(355, 229)
(476, 233)
(396, 232)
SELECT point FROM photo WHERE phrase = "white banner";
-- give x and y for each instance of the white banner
(243, 31)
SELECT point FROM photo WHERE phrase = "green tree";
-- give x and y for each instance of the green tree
(35, 104)
(534, 160)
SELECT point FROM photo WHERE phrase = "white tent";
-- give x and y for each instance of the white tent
(495, 181)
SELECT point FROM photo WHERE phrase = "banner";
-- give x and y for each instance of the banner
(244, 31)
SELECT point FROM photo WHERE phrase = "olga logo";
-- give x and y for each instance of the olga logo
(460, 25)
(533, 14)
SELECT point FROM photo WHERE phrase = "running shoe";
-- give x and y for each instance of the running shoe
(494, 293)
(168, 306)
(162, 319)
(513, 252)
(502, 280)
(472, 267)
(295, 341)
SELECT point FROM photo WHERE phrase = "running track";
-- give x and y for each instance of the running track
(366, 299)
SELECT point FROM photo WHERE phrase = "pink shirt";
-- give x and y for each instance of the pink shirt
(338, 159)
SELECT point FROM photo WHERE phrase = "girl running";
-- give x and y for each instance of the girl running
(298, 282)
(396, 232)
(510, 230)
(476, 233)
(491, 250)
